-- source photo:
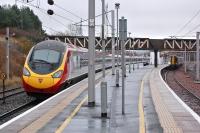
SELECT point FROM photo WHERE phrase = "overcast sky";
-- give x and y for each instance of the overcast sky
(146, 18)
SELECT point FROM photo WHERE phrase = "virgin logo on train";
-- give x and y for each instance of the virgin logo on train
(40, 80)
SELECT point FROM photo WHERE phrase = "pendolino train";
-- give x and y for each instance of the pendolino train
(48, 66)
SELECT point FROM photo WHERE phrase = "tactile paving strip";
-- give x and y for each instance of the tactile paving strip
(166, 119)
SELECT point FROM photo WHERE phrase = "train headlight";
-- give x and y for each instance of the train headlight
(26, 72)
(57, 74)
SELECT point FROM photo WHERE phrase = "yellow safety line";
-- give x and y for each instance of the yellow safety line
(68, 120)
(140, 108)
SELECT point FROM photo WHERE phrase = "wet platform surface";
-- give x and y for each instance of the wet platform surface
(88, 120)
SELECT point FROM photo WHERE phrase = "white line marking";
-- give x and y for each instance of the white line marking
(195, 115)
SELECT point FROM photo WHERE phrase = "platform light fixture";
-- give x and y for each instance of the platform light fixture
(117, 5)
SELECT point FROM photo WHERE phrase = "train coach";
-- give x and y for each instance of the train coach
(48, 66)
(175, 62)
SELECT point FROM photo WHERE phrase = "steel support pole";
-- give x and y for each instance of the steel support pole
(185, 60)
(103, 83)
(129, 57)
(91, 64)
(113, 41)
(118, 38)
(123, 36)
(156, 58)
(117, 70)
(197, 56)
(192, 59)
(133, 58)
(189, 53)
(7, 54)
(183, 54)
(123, 77)
(103, 37)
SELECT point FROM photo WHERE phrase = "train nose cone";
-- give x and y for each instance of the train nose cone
(40, 82)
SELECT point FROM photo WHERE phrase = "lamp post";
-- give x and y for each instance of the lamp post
(122, 38)
(117, 70)
(103, 37)
(91, 48)
(117, 8)
(113, 41)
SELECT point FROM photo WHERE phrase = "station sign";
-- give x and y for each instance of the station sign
(123, 29)
(3, 76)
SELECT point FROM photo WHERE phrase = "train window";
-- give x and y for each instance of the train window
(50, 56)
(45, 61)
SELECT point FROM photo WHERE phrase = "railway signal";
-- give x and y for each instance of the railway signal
(50, 12)
(50, 2)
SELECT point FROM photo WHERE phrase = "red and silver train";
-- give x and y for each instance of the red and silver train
(48, 66)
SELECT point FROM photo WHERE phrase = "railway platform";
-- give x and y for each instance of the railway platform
(150, 106)
(174, 114)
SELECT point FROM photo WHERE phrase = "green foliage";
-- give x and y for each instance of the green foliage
(22, 18)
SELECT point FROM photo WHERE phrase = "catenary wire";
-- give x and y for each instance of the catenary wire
(186, 24)
(32, 5)
(68, 11)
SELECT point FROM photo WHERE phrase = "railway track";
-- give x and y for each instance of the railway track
(191, 99)
(22, 108)
(11, 92)
(18, 110)
(14, 102)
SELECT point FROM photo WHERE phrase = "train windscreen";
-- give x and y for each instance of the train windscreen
(44, 61)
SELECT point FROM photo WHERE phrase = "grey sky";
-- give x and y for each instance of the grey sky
(146, 18)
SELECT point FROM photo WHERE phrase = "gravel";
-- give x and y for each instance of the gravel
(12, 103)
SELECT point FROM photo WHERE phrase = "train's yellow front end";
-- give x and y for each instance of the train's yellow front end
(45, 69)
